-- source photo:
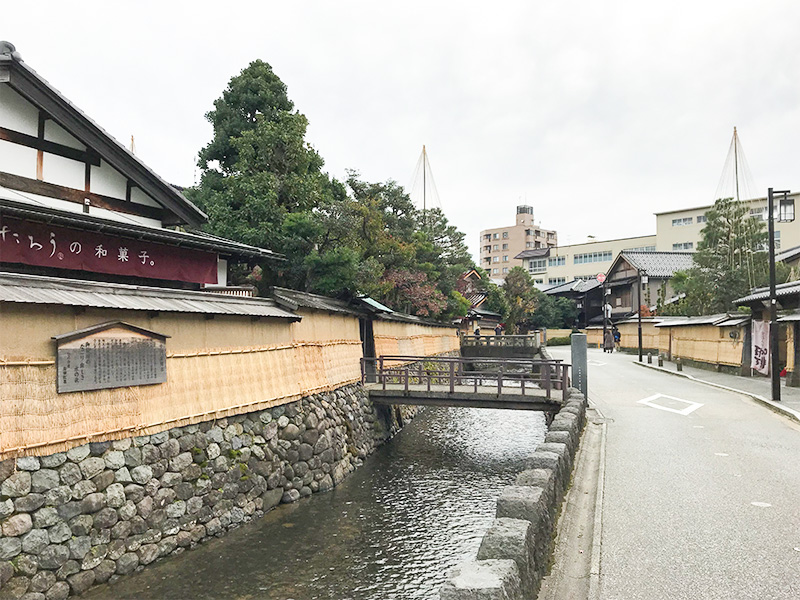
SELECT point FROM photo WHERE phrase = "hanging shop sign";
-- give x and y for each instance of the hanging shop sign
(110, 355)
(44, 245)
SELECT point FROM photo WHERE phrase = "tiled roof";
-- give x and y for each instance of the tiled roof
(534, 253)
(659, 264)
(293, 299)
(788, 254)
(578, 286)
(783, 289)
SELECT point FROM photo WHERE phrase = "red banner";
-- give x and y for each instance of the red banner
(43, 245)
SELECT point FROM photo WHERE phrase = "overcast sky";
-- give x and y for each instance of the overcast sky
(598, 114)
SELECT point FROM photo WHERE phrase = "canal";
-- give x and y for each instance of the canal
(392, 530)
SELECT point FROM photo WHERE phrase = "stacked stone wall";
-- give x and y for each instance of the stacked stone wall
(514, 554)
(106, 509)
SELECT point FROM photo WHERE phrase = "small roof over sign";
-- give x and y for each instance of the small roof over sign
(81, 333)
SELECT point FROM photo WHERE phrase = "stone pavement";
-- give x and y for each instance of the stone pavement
(757, 387)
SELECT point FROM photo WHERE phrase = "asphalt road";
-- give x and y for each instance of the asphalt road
(701, 489)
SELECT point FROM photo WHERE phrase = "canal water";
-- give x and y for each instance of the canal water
(419, 506)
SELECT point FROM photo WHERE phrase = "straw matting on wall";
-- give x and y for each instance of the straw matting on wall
(200, 386)
(408, 339)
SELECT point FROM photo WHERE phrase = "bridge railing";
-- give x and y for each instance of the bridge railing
(525, 376)
(502, 341)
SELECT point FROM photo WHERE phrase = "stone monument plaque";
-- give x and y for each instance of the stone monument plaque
(110, 355)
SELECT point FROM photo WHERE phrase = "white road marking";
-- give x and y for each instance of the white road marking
(596, 363)
(761, 504)
(699, 426)
(666, 401)
(720, 454)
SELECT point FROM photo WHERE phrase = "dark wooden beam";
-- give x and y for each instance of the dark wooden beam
(51, 190)
(16, 137)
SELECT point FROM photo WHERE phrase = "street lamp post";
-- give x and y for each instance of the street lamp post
(639, 311)
(785, 215)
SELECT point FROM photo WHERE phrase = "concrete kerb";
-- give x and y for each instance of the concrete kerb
(774, 406)
(536, 499)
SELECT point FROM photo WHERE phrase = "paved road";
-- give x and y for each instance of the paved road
(702, 503)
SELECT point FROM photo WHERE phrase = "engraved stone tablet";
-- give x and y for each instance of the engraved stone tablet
(110, 355)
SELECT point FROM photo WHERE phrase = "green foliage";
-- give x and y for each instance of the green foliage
(559, 341)
(263, 184)
(521, 296)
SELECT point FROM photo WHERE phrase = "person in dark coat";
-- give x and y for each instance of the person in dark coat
(608, 341)
(498, 330)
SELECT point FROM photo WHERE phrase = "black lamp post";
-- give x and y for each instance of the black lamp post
(785, 215)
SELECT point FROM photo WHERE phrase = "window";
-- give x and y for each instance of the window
(558, 261)
(557, 280)
(505, 258)
(487, 248)
(495, 247)
(505, 235)
(488, 236)
(702, 218)
(528, 232)
(538, 233)
(505, 269)
(759, 214)
(539, 281)
(529, 244)
(591, 257)
(495, 259)
(496, 236)
(536, 265)
(777, 239)
(681, 222)
(488, 260)
(682, 246)
(551, 236)
(641, 249)
(505, 246)
(495, 271)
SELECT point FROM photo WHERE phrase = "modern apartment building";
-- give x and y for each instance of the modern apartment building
(679, 230)
(561, 264)
(499, 247)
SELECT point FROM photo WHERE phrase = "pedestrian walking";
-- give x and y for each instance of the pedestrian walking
(608, 341)
(617, 338)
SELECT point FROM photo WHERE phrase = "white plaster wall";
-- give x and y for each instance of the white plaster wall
(17, 160)
(53, 132)
(107, 181)
(140, 197)
(17, 113)
(63, 171)
(222, 271)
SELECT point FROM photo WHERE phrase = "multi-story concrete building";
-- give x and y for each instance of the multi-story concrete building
(679, 230)
(561, 264)
(499, 247)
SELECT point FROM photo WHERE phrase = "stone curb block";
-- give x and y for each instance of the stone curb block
(496, 579)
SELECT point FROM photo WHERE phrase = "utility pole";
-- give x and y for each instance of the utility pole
(639, 310)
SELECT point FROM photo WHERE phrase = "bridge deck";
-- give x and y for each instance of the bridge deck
(510, 398)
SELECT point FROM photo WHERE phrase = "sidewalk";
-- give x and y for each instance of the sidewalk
(758, 387)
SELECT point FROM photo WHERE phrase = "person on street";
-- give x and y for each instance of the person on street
(608, 341)
(498, 330)
(477, 332)
(617, 338)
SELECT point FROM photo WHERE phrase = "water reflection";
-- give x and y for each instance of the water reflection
(419, 506)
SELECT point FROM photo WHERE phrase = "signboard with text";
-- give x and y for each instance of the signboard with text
(43, 245)
(109, 356)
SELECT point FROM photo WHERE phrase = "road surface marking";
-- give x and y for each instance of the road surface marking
(761, 504)
(596, 363)
(720, 454)
(699, 426)
(668, 402)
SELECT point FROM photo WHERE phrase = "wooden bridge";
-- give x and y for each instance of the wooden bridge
(516, 384)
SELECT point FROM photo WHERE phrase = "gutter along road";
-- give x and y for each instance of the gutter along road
(700, 490)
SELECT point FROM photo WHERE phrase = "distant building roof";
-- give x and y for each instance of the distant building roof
(788, 254)
(576, 286)
(784, 289)
(293, 299)
(658, 264)
(534, 253)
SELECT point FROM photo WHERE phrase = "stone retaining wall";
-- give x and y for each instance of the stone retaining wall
(106, 509)
(515, 552)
